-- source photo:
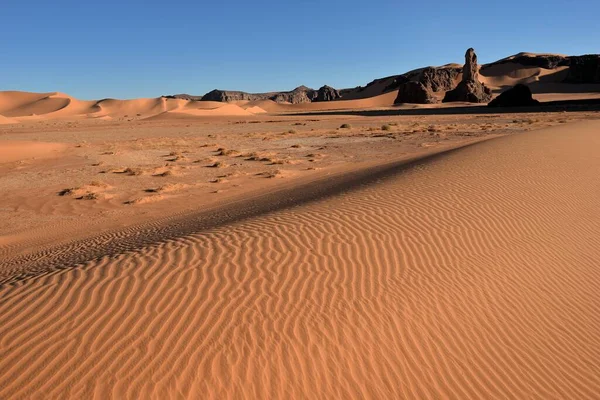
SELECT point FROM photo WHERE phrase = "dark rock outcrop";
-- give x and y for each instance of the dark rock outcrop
(327, 93)
(183, 96)
(395, 83)
(469, 89)
(433, 81)
(584, 69)
(517, 96)
(301, 94)
(415, 92)
(438, 79)
(470, 92)
(420, 86)
(470, 68)
(231, 95)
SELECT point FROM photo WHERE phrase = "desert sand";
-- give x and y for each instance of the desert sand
(469, 274)
(170, 248)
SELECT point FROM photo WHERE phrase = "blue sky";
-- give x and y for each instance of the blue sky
(127, 49)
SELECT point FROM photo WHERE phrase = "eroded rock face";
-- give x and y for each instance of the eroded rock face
(421, 88)
(517, 96)
(584, 69)
(438, 79)
(470, 67)
(327, 93)
(470, 92)
(230, 95)
(415, 92)
(301, 94)
(469, 89)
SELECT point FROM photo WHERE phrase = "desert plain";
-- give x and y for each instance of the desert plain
(174, 248)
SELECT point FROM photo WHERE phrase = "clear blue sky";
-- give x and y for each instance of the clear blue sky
(126, 49)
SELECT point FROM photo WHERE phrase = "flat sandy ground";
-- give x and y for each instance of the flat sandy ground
(273, 256)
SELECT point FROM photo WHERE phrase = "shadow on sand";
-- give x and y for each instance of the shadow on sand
(549, 106)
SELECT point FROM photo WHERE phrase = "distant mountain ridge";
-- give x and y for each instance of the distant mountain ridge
(581, 69)
(301, 94)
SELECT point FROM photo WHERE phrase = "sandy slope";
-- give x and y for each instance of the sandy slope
(11, 151)
(5, 121)
(383, 100)
(470, 275)
(23, 106)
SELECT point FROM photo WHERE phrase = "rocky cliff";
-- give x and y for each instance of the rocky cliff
(469, 89)
(431, 82)
(584, 69)
(420, 86)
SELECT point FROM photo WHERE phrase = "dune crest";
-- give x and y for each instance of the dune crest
(18, 107)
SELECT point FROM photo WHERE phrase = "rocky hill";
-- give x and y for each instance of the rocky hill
(301, 94)
(423, 85)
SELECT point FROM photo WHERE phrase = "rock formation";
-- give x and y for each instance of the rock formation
(469, 89)
(301, 94)
(414, 92)
(433, 81)
(470, 68)
(440, 78)
(231, 95)
(517, 96)
(584, 69)
(421, 87)
(326, 93)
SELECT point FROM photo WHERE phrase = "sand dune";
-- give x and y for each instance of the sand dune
(4, 120)
(510, 74)
(123, 108)
(23, 106)
(467, 275)
(12, 100)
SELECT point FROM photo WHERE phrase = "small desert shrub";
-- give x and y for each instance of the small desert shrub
(291, 131)
(386, 128)
(97, 184)
(224, 152)
(345, 126)
(88, 196)
(163, 174)
(66, 192)
(133, 171)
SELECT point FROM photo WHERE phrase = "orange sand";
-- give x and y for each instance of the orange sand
(472, 274)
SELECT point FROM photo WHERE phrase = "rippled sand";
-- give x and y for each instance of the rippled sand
(472, 274)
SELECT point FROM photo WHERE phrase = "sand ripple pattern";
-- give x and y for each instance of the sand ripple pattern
(473, 275)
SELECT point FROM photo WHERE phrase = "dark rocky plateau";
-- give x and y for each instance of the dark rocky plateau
(421, 85)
